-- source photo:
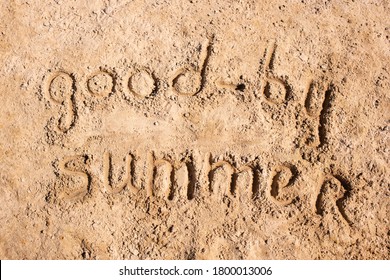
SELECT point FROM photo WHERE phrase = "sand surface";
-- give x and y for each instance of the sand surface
(194, 129)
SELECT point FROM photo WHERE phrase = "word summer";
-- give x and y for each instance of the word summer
(190, 175)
